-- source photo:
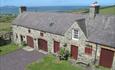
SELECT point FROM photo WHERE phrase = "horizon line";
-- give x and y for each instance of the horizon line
(51, 5)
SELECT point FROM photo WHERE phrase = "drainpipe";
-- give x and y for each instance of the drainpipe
(95, 59)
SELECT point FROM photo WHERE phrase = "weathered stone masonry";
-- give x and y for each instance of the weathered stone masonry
(94, 30)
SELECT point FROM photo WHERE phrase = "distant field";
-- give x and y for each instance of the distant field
(109, 10)
(5, 26)
(5, 22)
(103, 10)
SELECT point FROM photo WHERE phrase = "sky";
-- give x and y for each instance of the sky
(54, 2)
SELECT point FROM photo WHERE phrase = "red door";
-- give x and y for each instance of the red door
(74, 52)
(30, 41)
(56, 46)
(106, 58)
(42, 44)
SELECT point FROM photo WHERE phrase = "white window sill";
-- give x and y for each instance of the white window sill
(75, 39)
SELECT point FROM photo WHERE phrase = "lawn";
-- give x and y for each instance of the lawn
(5, 27)
(51, 63)
(5, 22)
(8, 48)
(109, 10)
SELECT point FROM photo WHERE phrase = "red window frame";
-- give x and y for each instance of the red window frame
(88, 50)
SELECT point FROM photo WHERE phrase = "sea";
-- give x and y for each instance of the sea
(15, 10)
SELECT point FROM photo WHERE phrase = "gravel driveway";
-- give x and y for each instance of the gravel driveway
(19, 59)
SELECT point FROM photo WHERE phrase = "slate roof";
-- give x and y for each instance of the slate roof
(57, 23)
(100, 30)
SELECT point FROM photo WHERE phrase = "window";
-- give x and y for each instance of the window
(41, 34)
(16, 36)
(88, 50)
(21, 38)
(75, 34)
(29, 31)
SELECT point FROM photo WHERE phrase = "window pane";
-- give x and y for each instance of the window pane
(75, 33)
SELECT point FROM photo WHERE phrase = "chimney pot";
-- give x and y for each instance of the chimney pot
(94, 4)
(22, 9)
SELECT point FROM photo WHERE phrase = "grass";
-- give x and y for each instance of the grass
(5, 27)
(103, 10)
(78, 11)
(109, 10)
(101, 68)
(5, 22)
(50, 63)
(8, 48)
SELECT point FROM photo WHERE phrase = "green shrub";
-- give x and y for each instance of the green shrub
(64, 54)
(23, 43)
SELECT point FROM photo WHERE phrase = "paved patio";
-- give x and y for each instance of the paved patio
(19, 59)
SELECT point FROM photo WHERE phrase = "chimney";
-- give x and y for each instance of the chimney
(94, 9)
(22, 9)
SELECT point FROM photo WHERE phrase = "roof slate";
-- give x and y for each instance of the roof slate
(42, 21)
(101, 29)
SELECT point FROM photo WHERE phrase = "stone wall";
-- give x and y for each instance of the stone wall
(99, 52)
(35, 34)
(80, 42)
(67, 38)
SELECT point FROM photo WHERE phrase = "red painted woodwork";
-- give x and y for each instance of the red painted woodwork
(106, 58)
(88, 50)
(30, 41)
(42, 44)
(56, 46)
(74, 52)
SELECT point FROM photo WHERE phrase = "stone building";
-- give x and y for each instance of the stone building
(89, 37)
